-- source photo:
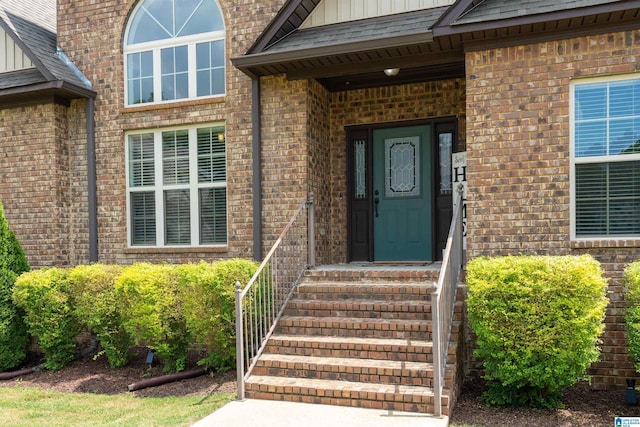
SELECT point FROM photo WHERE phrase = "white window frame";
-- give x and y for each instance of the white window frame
(159, 187)
(156, 47)
(593, 159)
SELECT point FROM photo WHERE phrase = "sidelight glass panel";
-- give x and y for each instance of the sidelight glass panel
(360, 169)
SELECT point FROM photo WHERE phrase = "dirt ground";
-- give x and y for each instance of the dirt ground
(87, 375)
(583, 407)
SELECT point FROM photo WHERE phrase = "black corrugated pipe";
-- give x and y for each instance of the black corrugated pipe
(91, 180)
(257, 171)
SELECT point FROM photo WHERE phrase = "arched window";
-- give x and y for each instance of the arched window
(174, 49)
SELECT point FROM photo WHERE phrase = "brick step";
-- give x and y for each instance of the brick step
(371, 309)
(346, 369)
(412, 350)
(344, 393)
(373, 274)
(365, 291)
(354, 327)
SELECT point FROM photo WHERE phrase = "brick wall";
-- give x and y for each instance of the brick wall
(91, 34)
(518, 162)
(36, 157)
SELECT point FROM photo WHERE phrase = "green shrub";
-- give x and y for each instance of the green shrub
(152, 311)
(13, 332)
(97, 306)
(208, 292)
(50, 313)
(14, 339)
(537, 320)
(12, 256)
(631, 280)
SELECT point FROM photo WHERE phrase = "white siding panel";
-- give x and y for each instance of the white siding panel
(334, 11)
(11, 57)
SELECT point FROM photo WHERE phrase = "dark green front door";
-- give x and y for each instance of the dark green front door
(402, 223)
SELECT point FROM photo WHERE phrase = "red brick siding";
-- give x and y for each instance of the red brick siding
(36, 183)
(518, 142)
(91, 34)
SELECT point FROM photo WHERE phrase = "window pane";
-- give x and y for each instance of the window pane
(213, 215)
(608, 199)
(177, 217)
(162, 19)
(175, 157)
(141, 166)
(167, 61)
(168, 88)
(211, 155)
(203, 56)
(622, 136)
(217, 81)
(204, 83)
(207, 17)
(182, 86)
(143, 218)
(591, 101)
(140, 77)
(217, 53)
(591, 138)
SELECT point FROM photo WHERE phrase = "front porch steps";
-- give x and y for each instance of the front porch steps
(356, 338)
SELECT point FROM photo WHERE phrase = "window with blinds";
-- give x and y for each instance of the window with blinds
(606, 158)
(177, 187)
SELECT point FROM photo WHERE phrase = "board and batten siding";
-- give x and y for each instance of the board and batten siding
(11, 56)
(334, 11)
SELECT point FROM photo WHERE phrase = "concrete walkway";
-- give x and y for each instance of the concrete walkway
(270, 413)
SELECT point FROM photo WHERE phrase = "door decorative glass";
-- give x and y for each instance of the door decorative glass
(402, 167)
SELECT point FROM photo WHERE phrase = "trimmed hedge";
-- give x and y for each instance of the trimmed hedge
(50, 313)
(537, 320)
(631, 280)
(98, 307)
(165, 307)
(208, 292)
(152, 311)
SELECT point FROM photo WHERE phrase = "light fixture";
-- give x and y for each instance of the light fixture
(390, 72)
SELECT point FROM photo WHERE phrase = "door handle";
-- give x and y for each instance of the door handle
(376, 202)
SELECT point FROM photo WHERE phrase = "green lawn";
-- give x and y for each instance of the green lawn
(35, 407)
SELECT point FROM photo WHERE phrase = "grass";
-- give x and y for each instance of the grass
(35, 407)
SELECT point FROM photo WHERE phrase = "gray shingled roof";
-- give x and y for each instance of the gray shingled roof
(493, 10)
(362, 30)
(33, 23)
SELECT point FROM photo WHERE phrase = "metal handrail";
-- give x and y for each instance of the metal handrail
(260, 304)
(443, 301)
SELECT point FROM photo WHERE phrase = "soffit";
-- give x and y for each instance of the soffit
(358, 48)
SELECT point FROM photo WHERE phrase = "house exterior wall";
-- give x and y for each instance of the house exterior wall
(518, 163)
(91, 34)
(391, 104)
(39, 180)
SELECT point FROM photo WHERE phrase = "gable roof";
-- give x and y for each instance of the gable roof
(477, 20)
(32, 26)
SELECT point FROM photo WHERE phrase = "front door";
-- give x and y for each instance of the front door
(402, 194)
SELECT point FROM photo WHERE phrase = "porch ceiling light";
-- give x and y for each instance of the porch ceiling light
(390, 72)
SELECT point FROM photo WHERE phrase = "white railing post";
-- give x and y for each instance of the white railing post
(239, 342)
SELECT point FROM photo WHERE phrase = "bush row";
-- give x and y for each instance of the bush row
(166, 307)
(537, 320)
